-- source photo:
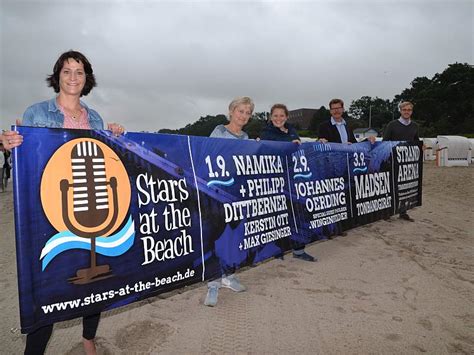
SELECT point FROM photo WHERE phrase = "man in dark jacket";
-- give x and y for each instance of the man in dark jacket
(403, 129)
(336, 130)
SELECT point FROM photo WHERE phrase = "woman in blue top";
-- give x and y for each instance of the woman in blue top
(240, 111)
(72, 78)
(278, 129)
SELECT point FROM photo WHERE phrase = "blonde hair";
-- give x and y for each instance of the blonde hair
(242, 100)
(403, 104)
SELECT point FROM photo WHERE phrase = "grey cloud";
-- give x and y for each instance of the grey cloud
(165, 64)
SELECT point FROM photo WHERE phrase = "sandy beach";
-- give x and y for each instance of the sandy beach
(391, 287)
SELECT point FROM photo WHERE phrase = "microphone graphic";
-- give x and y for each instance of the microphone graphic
(90, 204)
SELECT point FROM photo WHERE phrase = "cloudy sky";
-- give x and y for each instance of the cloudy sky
(163, 64)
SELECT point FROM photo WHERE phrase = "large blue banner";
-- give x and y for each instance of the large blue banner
(103, 221)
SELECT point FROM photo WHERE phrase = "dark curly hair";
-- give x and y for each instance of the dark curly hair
(53, 79)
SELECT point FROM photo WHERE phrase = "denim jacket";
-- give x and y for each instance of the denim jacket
(48, 114)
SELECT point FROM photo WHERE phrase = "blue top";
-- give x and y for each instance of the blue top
(221, 132)
(48, 114)
(272, 133)
(341, 129)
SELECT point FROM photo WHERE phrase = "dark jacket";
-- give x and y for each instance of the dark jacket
(272, 133)
(329, 131)
(397, 131)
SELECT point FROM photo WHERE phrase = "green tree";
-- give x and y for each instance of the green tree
(205, 125)
(202, 127)
(445, 103)
(375, 112)
(256, 123)
(321, 115)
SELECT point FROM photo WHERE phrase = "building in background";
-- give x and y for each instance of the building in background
(301, 118)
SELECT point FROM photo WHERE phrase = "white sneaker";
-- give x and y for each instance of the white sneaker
(233, 283)
(211, 297)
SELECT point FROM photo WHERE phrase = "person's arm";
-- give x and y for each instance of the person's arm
(11, 139)
(323, 133)
(116, 128)
(417, 138)
(350, 135)
(266, 135)
(372, 139)
(96, 122)
(294, 134)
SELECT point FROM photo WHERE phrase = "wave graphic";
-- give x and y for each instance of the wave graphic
(303, 176)
(229, 182)
(114, 245)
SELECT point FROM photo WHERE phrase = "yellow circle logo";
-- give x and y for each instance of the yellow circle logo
(85, 189)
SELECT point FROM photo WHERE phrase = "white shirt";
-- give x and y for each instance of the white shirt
(404, 121)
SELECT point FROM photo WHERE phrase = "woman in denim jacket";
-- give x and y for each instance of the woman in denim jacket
(72, 78)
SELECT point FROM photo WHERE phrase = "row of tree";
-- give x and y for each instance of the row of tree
(205, 125)
(444, 105)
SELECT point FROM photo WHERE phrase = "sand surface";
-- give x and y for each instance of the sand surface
(391, 287)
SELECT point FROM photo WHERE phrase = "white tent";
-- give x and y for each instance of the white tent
(431, 145)
(453, 151)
